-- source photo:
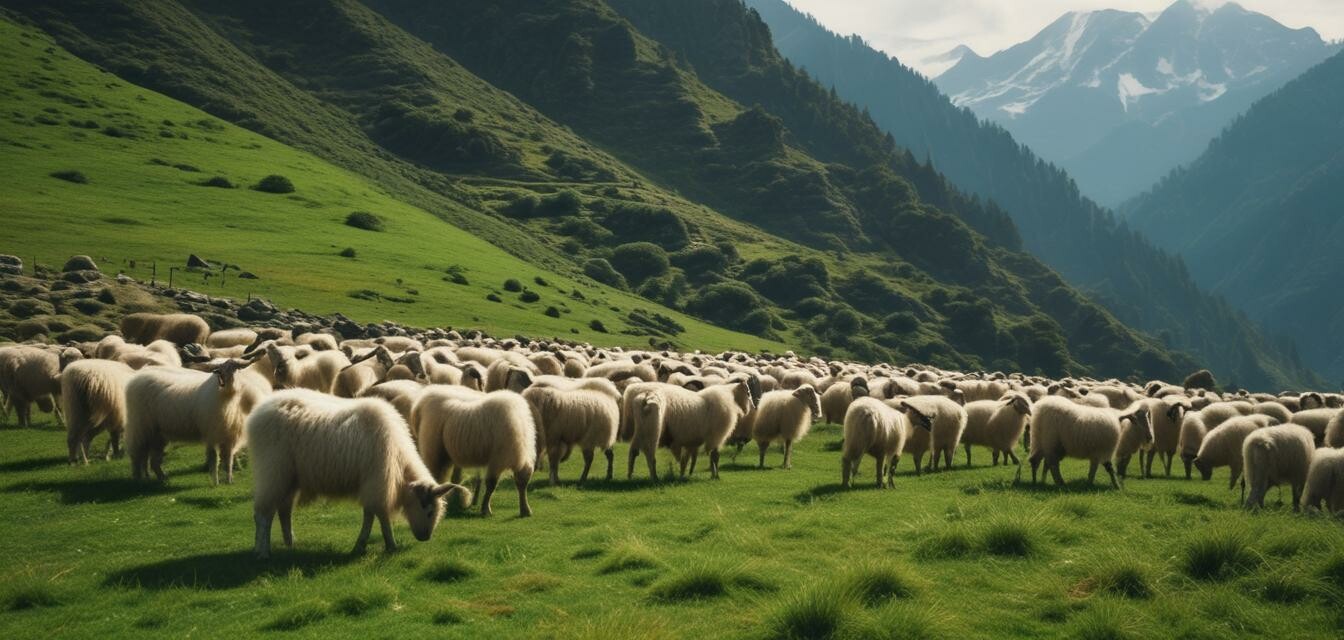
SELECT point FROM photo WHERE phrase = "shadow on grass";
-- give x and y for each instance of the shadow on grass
(1069, 487)
(216, 571)
(617, 485)
(93, 490)
(827, 490)
(34, 464)
(214, 502)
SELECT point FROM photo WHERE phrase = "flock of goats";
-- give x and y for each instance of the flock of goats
(382, 420)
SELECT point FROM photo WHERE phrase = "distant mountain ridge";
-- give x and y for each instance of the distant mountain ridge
(1258, 216)
(1118, 99)
(1143, 286)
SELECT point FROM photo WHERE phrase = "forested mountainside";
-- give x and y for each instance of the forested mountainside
(560, 132)
(1141, 285)
(1258, 215)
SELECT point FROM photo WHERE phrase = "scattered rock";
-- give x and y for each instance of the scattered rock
(195, 262)
(257, 309)
(11, 265)
(80, 263)
(248, 275)
(82, 277)
(125, 279)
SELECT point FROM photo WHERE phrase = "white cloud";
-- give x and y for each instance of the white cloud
(913, 30)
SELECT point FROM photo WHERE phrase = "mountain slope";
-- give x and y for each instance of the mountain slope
(1257, 216)
(758, 166)
(1118, 99)
(145, 157)
(1143, 287)
(408, 94)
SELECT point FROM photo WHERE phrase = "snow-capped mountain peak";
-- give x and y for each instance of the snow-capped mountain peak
(1091, 77)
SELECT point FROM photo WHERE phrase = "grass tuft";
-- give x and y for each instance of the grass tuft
(298, 616)
(1125, 579)
(1105, 621)
(1284, 586)
(447, 570)
(947, 545)
(813, 613)
(878, 584)
(631, 555)
(1332, 571)
(27, 594)
(697, 583)
(447, 616)
(1007, 538)
(1219, 556)
(358, 604)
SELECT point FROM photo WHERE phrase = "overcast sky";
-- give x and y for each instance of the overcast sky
(914, 30)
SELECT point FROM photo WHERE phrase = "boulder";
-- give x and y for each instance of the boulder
(11, 265)
(247, 275)
(80, 263)
(195, 262)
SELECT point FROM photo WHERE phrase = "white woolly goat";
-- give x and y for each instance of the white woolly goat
(182, 405)
(399, 344)
(461, 428)
(309, 444)
(570, 419)
(318, 341)
(1165, 414)
(226, 338)
(520, 380)
(31, 375)
(497, 374)
(622, 369)
(787, 416)
(1316, 421)
(1274, 410)
(1334, 431)
(93, 395)
(997, 424)
(836, 398)
(1220, 412)
(797, 378)
(1193, 431)
(692, 421)
(1222, 448)
(361, 372)
(644, 409)
(1277, 455)
(316, 371)
(949, 421)
(1062, 428)
(1325, 482)
(177, 328)
(879, 429)
(401, 394)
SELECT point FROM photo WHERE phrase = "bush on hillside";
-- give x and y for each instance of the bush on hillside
(602, 271)
(275, 184)
(639, 261)
(364, 220)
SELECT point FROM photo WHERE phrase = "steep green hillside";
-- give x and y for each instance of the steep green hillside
(1142, 286)
(96, 165)
(624, 171)
(1257, 217)
(866, 207)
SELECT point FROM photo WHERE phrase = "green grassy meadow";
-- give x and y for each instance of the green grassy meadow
(758, 554)
(144, 159)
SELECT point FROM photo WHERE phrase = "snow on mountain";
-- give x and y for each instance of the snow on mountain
(1120, 98)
